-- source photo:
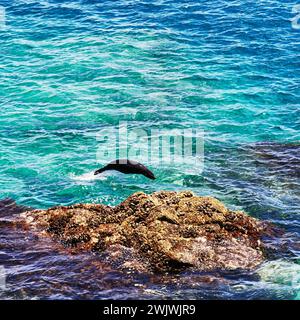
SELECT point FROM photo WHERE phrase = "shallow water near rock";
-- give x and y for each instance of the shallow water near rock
(68, 70)
(36, 267)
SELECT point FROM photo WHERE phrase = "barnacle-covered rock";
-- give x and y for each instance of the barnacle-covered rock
(163, 231)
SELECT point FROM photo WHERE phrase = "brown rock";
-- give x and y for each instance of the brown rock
(164, 231)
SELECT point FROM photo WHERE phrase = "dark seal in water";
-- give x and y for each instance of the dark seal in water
(127, 166)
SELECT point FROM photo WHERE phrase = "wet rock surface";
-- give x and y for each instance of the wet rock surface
(163, 231)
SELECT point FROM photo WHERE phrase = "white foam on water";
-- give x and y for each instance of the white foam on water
(89, 176)
(281, 272)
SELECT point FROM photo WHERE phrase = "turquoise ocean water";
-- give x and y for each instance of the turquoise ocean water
(69, 69)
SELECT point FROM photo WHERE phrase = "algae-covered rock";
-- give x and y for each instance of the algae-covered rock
(164, 231)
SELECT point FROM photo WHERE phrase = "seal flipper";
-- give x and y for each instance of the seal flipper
(100, 170)
(148, 174)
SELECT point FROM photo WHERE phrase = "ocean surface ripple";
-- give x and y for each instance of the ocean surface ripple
(70, 69)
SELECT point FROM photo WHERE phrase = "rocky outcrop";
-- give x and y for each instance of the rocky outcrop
(164, 231)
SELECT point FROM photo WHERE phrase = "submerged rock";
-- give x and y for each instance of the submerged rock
(164, 231)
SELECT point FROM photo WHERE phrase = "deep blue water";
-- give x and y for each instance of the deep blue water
(69, 69)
